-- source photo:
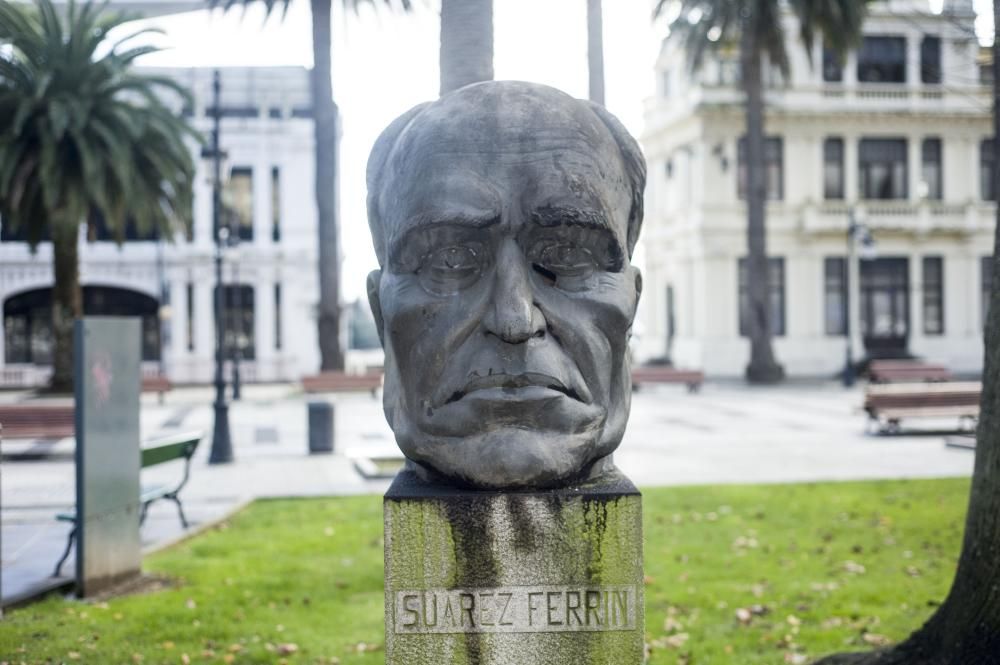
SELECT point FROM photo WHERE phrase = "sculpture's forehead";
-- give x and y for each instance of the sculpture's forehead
(506, 146)
(503, 124)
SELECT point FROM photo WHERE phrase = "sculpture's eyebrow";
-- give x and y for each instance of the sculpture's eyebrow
(417, 230)
(558, 215)
(551, 216)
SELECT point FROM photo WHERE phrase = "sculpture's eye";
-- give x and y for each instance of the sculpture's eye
(450, 269)
(566, 264)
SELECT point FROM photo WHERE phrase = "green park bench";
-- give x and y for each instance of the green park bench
(176, 447)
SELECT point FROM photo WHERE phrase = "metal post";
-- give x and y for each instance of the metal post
(222, 447)
(848, 375)
(237, 350)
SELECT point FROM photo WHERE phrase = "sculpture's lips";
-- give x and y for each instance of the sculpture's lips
(513, 383)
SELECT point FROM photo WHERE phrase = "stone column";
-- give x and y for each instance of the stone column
(520, 578)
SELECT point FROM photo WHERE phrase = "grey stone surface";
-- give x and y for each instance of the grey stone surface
(107, 356)
(504, 216)
(525, 578)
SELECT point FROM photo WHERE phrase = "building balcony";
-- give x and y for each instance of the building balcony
(916, 217)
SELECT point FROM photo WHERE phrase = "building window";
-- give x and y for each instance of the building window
(882, 168)
(930, 59)
(930, 166)
(238, 320)
(275, 204)
(987, 171)
(277, 316)
(833, 168)
(835, 295)
(237, 198)
(773, 168)
(986, 287)
(190, 317)
(933, 295)
(776, 295)
(833, 70)
(882, 60)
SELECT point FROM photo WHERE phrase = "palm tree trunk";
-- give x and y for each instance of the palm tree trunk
(466, 43)
(67, 303)
(325, 127)
(595, 50)
(965, 629)
(762, 368)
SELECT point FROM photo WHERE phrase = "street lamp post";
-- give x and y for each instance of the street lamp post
(222, 447)
(856, 231)
(237, 350)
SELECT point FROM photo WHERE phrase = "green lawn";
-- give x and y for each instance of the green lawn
(735, 574)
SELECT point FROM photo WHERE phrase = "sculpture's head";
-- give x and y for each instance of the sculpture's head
(504, 216)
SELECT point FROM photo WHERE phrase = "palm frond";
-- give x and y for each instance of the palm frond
(86, 134)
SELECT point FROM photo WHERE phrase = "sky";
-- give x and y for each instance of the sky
(385, 62)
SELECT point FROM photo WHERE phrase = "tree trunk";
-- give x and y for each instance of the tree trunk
(965, 629)
(466, 43)
(67, 303)
(762, 368)
(325, 127)
(595, 50)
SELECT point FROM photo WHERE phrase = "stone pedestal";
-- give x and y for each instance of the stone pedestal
(513, 578)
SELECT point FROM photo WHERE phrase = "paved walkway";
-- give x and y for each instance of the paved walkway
(725, 434)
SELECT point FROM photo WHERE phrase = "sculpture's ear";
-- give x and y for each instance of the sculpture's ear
(374, 278)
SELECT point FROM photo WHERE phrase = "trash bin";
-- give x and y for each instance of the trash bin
(320, 427)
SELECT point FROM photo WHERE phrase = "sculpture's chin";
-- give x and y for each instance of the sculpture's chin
(511, 458)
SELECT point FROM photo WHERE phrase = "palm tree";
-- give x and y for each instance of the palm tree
(756, 25)
(325, 126)
(466, 43)
(84, 137)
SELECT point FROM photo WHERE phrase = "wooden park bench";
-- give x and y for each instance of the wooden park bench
(692, 378)
(156, 384)
(888, 404)
(906, 371)
(168, 449)
(332, 382)
(37, 421)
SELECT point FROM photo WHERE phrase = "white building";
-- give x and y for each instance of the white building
(268, 135)
(897, 134)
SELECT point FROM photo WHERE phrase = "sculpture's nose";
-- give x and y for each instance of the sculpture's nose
(514, 316)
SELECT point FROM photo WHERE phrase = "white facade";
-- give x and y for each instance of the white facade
(269, 132)
(695, 229)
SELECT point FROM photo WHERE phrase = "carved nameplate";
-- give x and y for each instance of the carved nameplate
(542, 609)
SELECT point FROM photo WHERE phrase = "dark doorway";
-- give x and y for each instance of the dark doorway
(885, 307)
(27, 321)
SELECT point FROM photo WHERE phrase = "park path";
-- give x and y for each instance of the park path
(727, 433)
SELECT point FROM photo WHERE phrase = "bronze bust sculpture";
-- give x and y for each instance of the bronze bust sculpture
(504, 216)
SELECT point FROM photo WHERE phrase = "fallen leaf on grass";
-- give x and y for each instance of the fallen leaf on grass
(287, 649)
(876, 640)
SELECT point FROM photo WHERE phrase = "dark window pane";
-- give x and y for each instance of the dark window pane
(776, 295)
(773, 168)
(987, 171)
(835, 295)
(882, 60)
(930, 59)
(190, 317)
(931, 173)
(986, 274)
(237, 200)
(277, 316)
(833, 168)
(883, 168)
(833, 71)
(933, 295)
(238, 320)
(275, 204)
